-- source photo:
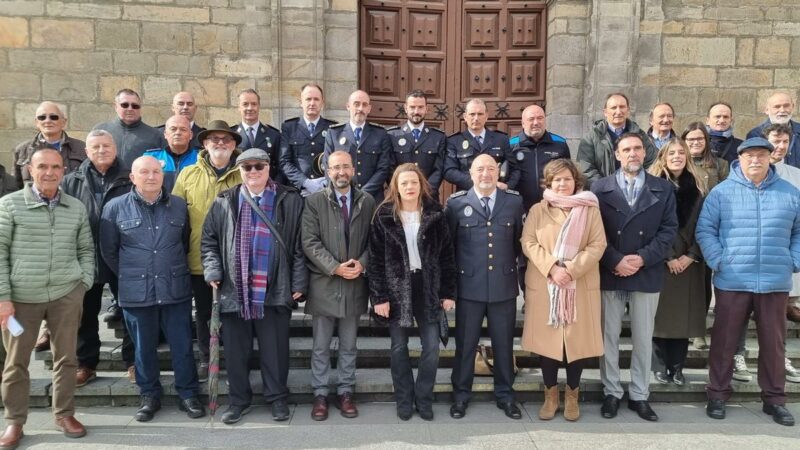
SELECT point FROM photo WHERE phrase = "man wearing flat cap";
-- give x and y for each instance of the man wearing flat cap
(252, 254)
(198, 184)
(749, 232)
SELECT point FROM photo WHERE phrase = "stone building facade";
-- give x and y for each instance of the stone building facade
(80, 52)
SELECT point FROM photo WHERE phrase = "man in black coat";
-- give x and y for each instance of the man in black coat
(463, 147)
(100, 178)
(303, 143)
(486, 225)
(719, 124)
(256, 134)
(638, 212)
(367, 143)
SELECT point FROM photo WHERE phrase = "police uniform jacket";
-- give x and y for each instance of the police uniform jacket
(427, 153)
(299, 149)
(486, 247)
(268, 138)
(462, 149)
(371, 157)
(531, 157)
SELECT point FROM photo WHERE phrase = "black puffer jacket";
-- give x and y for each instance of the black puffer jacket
(287, 272)
(388, 271)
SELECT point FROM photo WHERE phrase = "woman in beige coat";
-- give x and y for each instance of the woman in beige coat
(564, 240)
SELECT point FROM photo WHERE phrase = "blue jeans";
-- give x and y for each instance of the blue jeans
(176, 323)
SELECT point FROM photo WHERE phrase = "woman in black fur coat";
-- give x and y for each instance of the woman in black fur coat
(412, 276)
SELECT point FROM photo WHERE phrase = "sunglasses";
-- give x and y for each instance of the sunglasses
(127, 105)
(249, 167)
(43, 117)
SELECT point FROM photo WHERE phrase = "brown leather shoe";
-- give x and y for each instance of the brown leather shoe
(71, 427)
(793, 313)
(10, 439)
(320, 409)
(84, 375)
(345, 403)
(43, 342)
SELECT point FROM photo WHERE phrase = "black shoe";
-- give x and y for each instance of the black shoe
(715, 409)
(425, 413)
(511, 410)
(404, 415)
(114, 314)
(779, 414)
(234, 414)
(678, 378)
(610, 407)
(661, 377)
(148, 409)
(643, 409)
(280, 410)
(458, 410)
(194, 409)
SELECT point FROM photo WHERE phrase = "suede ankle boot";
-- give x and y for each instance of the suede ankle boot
(571, 410)
(550, 406)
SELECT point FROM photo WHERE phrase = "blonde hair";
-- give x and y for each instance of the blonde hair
(659, 167)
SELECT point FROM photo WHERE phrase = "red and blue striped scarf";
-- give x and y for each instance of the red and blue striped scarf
(252, 247)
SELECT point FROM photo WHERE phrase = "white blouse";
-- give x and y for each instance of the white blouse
(410, 221)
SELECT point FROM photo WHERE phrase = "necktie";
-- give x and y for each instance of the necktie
(257, 200)
(486, 207)
(357, 133)
(251, 136)
(416, 134)
(311, 128)
(479, 139)
(618, 131)
(631, 186)
(346, 220)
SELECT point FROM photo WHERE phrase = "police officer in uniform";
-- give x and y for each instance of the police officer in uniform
(256, 134)
(463, 147)
(303, 143)
(368, 144)
(486, 225)
(417, 144)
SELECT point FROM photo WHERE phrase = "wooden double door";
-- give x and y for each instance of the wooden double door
(453, 50)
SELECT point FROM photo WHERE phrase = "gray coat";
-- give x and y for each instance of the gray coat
(324, 246)
(596, 151)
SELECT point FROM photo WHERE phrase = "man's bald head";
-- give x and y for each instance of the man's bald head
(147, 176)
(183, 104)
(484, 173)
(534, 122)
(178, 133)
(50, 120)
(779, 108)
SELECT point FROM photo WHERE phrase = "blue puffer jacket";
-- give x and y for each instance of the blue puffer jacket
(750, 236)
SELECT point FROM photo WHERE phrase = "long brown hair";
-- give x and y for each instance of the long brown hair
(393, 195)
(659, 167)
(708, 158)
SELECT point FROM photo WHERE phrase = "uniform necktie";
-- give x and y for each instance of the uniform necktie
(479, 138)
(311, 128)
(357, 133)
(251, 136)
(416, 132)
(345, 219)
(486, 207)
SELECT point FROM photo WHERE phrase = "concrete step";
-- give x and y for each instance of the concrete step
(114, 389)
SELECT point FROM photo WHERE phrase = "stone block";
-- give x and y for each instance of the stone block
(24, 113)
(566, 50)
(160, 89)
(215, 39)
(3, 58)
(298, 16)
(612, 46)
(699, 51)
(786, 28)
(772, 51)
(672, 27)
(339, 43)
(22, 8)
(651, 27)
(118, 35)
(683, 13)
(154, 13)
(795, 56)
(84, 10)
(255, 39)
(742, 100)
(171, 38)
(701, 28)
(337, 93)
(683, 99)
(298, 68)
(741, 13)
(340, 20)
(235, 87)
(230, 114)
(84, 116)
(745, 123)
(208, 91)
(565, 100)
(564, 9)
(649, 76)
(249, 16)
(310, 4)
(649, 49)
(171, 64)
(216, 2)
(787, 78)
(557, 26)
(614, 9)
(14, 32)
(200, 65)
(69, 87)
(688, 76)
(260, 4)
(752, 29)
(744, 51)
(136, 63)
(614, 74)
(578, 26)
(6, 114)
(562, 75)
(19, 85)
(745, 77)
(110, 85)
(242, 67)
(617, 25)
(73, 34)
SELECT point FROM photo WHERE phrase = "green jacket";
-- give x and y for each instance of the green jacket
(44, 253)
(198, 185)
(596, 151)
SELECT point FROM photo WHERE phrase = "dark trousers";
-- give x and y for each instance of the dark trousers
(272, 333)
(406, 392)
(669, 355)
(175, 321)
(202, 304)
(469, 318)
(89, 331)
(550, 368)
(732, 309)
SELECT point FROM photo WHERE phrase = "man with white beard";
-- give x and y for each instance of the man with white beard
(779, 110)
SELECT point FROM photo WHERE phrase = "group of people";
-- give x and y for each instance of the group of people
(340, 216)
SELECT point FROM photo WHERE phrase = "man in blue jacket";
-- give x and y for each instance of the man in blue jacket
(749, 231)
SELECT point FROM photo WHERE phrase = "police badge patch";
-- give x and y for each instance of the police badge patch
(520, 156)
(468, 211)
(465, 145)
(401, 142)
(342, 140)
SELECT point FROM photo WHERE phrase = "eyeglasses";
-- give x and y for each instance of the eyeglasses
(689, 140)
(340, 168)
(220, 139)
(127, 105)
(250, 167)
(44, 117)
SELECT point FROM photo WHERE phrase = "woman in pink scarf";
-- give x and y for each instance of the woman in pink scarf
(564, 240)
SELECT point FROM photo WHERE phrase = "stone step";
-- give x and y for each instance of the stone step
(114, 389)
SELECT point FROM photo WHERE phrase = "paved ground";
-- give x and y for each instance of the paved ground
(485, 426)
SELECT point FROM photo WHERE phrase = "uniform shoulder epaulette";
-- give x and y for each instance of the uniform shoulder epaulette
(376, 125)
(271, 127)
(338, 125)
(396, 127)
(293, 119)
(499, 132)
(457, 133)
(434, 130)
(557, 138)
(514, 140)
(458, 194)
(511, 191)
